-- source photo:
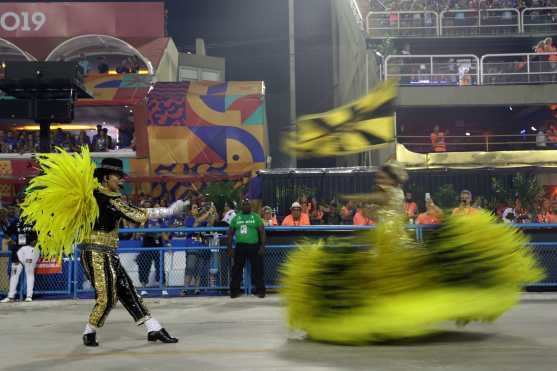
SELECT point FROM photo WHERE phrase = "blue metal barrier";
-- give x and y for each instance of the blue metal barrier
(206, 265)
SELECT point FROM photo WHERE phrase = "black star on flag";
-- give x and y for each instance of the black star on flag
(367, 123)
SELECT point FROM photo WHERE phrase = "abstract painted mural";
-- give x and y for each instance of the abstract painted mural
(207, 128)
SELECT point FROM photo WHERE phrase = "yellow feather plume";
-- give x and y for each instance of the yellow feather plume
(60, 202)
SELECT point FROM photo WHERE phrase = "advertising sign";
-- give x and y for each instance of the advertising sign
(72, 19)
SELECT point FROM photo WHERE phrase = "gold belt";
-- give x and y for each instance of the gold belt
(109, 239)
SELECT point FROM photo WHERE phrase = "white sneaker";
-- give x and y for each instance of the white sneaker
(143, 293)
(28, 300)
(164, 292)
(7, 300)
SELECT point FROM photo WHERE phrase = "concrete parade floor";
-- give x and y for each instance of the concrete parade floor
(218, 333)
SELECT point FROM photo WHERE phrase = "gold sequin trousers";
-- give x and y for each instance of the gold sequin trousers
(111, 283)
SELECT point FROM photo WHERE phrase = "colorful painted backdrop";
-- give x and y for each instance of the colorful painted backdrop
(203, 127)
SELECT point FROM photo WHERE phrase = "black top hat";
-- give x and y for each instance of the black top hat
(110, 166)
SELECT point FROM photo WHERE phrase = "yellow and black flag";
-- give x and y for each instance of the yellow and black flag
(359, 126)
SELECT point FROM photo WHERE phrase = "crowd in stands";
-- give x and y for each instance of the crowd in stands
(440, 5)
(540, 137)
(28, 141)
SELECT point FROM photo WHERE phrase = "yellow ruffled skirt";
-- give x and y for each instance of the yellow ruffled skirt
(383, 286)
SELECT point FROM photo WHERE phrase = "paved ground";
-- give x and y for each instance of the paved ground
(249, 334)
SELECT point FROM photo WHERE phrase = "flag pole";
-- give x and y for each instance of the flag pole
(292, 63)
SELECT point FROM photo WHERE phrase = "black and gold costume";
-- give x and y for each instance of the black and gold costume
(101, 264)
(81, 212)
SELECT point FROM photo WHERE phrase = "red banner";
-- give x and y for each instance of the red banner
(73, 19)
(52, 266)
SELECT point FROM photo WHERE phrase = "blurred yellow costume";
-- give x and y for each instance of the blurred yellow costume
(393, 288)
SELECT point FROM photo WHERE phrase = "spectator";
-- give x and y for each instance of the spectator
(269, 218)
(109, 140)
(306, 204)
(433, 214)
(228, 212)
(37, 140)
(249, 231)
(125, 137)
(10, 141)
(542, 210)
(145, 259)
(134, 64)
(550, 216)
(465, 207)
(103, 67)
(537, 62)
(296, 217)
(317, 214)
(83, 140)
(20, 143)
(102, 142)
(59, 137)
(438, 140)
(552, 59)
(69, 142)
(410, 207)
(551, 135)
(541, 139)
(360, 218)
(123, 67)
(255, 191)
(197, 261)
(347, 213)
(97, 135)
(331, 214)
(84, 64)
(508, 216)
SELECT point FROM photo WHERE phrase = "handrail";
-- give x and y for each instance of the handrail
(527, 61)
(523, 12)
(224, 229)
(482, 66)
(432, 56)
(440, 16)
(479, 18)
(310, 228)
(399, 13)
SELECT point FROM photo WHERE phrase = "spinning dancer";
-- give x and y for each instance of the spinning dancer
(85, 208)
(382, 285)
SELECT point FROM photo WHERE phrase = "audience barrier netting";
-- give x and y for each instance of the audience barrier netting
(195, 261)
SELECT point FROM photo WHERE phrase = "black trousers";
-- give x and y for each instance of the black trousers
(242, 253)
(144, 261)
(111, 283)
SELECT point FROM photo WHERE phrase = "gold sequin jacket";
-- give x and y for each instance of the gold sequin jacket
(111, 210)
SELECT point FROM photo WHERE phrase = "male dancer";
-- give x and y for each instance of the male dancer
(101, 263)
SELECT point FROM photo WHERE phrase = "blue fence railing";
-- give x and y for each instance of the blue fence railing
(195, 260)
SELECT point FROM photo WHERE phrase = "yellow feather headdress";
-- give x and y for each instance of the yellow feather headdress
(59, 202)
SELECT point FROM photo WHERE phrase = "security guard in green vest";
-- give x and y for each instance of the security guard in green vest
(250, 244)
